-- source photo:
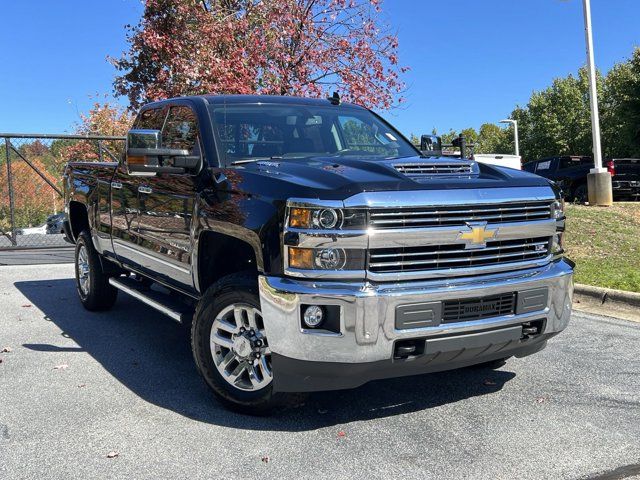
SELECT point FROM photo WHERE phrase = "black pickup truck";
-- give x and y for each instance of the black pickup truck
(309, 246)
(570, 173)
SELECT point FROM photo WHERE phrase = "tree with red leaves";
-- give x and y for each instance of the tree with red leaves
(278, 47)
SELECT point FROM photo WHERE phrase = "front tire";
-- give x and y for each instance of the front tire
(92, 283)
(231, 349)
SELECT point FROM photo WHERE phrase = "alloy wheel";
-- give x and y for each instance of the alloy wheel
(240, 348)
(84, 270)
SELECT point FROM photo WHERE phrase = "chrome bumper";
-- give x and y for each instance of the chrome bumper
(367, 320)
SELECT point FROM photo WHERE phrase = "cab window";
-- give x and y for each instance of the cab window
(152, 119)
(181, 130)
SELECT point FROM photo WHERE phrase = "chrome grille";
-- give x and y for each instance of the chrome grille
(458, 215)
(435, 168)
(452, 256)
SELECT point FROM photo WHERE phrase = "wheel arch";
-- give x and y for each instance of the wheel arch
(220, 254)
(78, 217)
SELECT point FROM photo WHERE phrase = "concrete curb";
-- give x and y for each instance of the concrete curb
(608, 295)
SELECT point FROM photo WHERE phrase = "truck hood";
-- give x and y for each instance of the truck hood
(340, 177)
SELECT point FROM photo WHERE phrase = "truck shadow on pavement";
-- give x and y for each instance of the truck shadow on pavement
(151, 356)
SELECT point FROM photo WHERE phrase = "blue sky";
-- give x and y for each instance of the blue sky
(471, 61)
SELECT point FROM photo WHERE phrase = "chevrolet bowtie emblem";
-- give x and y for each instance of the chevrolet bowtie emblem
(477, 235)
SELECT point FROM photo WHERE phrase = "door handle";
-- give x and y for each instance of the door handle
(116, 185)
(145, 190)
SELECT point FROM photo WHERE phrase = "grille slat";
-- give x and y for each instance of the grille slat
(396, 260)
(375, 213)
(436, 168)
(468, 218)
(437, 216)
(486, 249)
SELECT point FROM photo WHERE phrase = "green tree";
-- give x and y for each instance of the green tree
(620, 115)
(556, 121)
(493, 139)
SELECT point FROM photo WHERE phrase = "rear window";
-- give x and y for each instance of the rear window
(570, 162)
(543, 166)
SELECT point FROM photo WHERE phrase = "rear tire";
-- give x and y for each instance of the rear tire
(235, 363)
(92, 283)
(579, 194)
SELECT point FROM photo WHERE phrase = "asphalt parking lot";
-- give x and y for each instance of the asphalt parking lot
(77, 386)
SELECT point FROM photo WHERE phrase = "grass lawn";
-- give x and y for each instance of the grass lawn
(605, 244)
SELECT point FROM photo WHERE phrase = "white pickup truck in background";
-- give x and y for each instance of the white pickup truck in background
(510, 161)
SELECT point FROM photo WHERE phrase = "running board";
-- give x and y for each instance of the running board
(162, 302)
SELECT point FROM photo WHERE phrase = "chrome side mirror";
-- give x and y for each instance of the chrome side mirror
(145, 154)
(147, 139)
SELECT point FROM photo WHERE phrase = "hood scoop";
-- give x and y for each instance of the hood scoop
(456, 168)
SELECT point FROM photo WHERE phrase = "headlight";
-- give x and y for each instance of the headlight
(557, 212)
(323, 218)
(556, 244)
(326, 218)
(326, 259)
(557, 209)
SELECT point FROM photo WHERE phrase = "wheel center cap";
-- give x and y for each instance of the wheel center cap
(242, 346)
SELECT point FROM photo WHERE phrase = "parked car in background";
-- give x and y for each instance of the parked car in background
(55, 223)
(510, 161)
(626, 177)
(40, 229)
(570, 173)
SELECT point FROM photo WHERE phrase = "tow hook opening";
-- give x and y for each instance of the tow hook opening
(532, 329)
(408, 348)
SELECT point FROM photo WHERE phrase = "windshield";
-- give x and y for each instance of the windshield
(251, 132)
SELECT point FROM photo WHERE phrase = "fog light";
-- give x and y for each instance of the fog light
(313, 316)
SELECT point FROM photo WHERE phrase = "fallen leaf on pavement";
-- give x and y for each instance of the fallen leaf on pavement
(112, 454)
(26, 305)
(265, 459)
(7, 350)
(341, 433)
(489, 382)
(64, 366)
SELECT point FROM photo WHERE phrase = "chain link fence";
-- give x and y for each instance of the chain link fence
(31, 191)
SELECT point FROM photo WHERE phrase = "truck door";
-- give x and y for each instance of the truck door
(124, 198)
(166, 203)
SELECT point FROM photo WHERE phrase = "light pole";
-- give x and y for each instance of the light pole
(515, 133)
(599, 179)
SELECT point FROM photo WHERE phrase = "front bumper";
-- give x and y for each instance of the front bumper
(307, 360)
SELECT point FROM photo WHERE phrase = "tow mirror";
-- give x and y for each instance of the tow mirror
(431, 145)
(145, 154)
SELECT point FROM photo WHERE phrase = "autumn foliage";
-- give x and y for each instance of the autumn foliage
(33, 198)
(279, 47)
(104, 119)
